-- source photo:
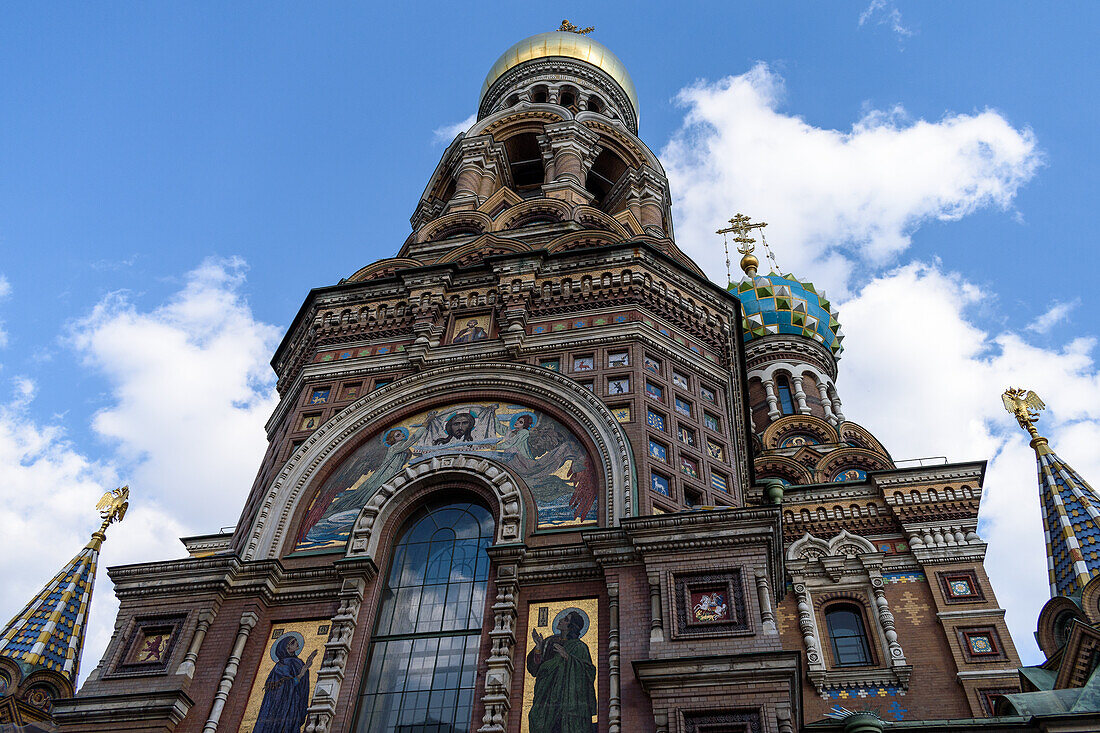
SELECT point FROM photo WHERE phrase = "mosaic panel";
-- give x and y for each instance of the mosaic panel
(560, 678)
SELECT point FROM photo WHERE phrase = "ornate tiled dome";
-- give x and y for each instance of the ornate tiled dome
(782, 304)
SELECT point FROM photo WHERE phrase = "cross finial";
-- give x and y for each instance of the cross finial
(741, 226)
(568, 27)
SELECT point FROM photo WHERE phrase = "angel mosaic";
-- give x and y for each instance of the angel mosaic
(549, 459)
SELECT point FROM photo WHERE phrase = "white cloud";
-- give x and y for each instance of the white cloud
(1055, 314)
(189, 392)
(927, 382)
(831, 196)
(887, 14)
(447, 133)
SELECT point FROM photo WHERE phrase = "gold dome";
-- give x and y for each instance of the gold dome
(570, 45)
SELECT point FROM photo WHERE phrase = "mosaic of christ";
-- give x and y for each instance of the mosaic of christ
(534, 446)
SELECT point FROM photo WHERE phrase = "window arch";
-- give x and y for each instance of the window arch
(423, 656)
(847, 635)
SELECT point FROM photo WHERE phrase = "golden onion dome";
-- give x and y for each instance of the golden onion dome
(569, 45)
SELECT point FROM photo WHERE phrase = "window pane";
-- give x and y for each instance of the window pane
(437, 584)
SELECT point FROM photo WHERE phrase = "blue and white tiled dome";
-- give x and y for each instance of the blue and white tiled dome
(783, 304)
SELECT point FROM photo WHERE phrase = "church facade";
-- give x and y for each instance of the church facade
(537, 473)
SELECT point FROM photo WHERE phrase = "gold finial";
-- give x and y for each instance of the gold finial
(1025, 406)
(112, 508)
(568, 27)
(741, 226)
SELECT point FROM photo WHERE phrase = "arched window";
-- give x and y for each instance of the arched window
(786, 403)
(847, 635)
(525, 161)
(423, 655)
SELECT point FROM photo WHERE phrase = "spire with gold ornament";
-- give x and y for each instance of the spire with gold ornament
(1071, 508)
(45, 639)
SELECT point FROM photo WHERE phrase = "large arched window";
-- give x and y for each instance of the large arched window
(423, 656)
(847, 635)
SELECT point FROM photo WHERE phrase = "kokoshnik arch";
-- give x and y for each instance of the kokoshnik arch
(536, 473)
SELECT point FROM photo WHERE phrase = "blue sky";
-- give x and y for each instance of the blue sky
(174, 178)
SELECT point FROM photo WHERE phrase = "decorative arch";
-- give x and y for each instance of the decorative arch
(859, 434)
(476, 221)
(508, 122)
(515, 215)
(588, 238)
(491, 476)
(383, 268)
(1054, 612)
(783, 467)
(326, 447)
(592, 218)
(844, 544)
(806, 424)
(854, 458)
(484, 245)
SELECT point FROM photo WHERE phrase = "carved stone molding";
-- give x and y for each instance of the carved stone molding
(330, 675)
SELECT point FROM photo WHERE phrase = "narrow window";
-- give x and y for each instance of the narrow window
(786, 404)
(423, 657)
(848, 638)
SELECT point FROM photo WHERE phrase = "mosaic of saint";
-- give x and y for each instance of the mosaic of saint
(284, 680)
(559, 694)
(537, 448)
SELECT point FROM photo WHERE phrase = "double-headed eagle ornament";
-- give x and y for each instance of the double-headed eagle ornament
(1025, 406)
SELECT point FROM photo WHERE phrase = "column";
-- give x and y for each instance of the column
(498, 674)
(767, 615)
(656, 632)
(799, 396)
(248, 620)
(808, 626)
(187, 666)
(886, 621)
(823, 390)
(773, 401)
(614, 712)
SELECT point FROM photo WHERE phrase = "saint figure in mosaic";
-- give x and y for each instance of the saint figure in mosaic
(565, 678)
(286, 692)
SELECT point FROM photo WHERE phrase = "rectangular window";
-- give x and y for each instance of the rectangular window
(712, 422)
(708, 394)
(553, 365)
(655, 420)
(686, 435)
(719, 482)
(715, 450)
(618, 359)
(679, 380)
(660, 484)
(683, 407)
(351, 391)
(621, 413)
(320, 396)
(618, 385)
(689, 467)
(654, 391)
(652, 365)
(658, 451)
(583, 363)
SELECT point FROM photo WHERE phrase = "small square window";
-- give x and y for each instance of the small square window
(660, 484)
(683, 407)
(320, 396)
(686, 435)
(583, 363)
(351, 391)
(715, 450)
(712, 422)
(618, 359)
(382, 382)
(553, 365)
(655, 420)
(679, 380)
(719, 482)
(618, 385)
(689, 467)
(652, 365)
(310, 421)
(654, 391)
(621, 413)
(658, 451)
(707, 393)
